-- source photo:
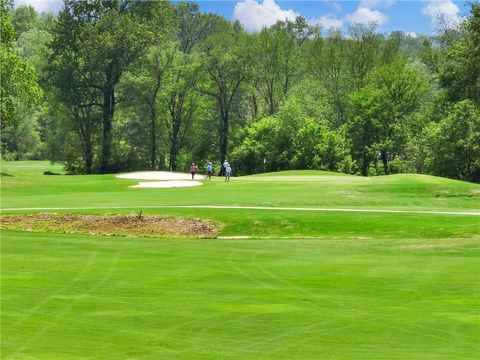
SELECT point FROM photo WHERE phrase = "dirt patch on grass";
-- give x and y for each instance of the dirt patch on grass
(449, 194)
(445, 244)
(113, 225)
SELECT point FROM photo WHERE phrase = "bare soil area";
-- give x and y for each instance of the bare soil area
(113, 225)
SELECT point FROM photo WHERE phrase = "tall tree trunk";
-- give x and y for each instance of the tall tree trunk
(108, 109)
(172, 164)
(88, 156)
(224, 125)
(174, 145)
(271, 105)
(255, 106)
(153, 149)
(365, 165)
(383, 156)
(286, 84)
(271, 98)
(256, 90)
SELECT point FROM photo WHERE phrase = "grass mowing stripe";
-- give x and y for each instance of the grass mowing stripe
(196, 299)
(68, 285)
(385, 211)
(60, 315)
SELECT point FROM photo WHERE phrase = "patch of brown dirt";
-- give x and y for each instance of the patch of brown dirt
(442, 244)
(114, 225)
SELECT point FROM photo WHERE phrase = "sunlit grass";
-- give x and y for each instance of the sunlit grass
(297, 285)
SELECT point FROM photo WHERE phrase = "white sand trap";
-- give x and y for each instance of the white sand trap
(158, 175)
(167, 179)
(167, 184)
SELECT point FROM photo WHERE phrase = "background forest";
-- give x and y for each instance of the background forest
(111, 86)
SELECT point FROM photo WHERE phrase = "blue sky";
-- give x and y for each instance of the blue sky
(418, 17)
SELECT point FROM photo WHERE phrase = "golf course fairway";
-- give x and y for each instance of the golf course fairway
(306, 265)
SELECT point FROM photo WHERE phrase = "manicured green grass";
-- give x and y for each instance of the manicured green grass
(406, 192)
(298, 173)
(30, 167)
(72, 297)
(304, 285)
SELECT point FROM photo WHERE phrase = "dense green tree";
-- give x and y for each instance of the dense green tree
(403, 87)
(327, 62)
(292, 34)
(226, 65)
(108, 36)
(460, 75)
(24, 138)
(24, 18)
(163, 86)
(182, 101)
(455, 143)
(18, 84)
(381, 112)
(193, 26)
(142, 85)
(276, 57)
(33, 45)
(317, 147)
(364, 126)
(362, 54)
(296, 137)
(265, 147)
(78, 107)
(268, 81)
(300, 28)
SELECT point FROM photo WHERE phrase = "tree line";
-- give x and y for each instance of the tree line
(120, 85)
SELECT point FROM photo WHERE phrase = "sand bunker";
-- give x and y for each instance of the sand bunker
(158, 175)
(166, 179)
(167, 184)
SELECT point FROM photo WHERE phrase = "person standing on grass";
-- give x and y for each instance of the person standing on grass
(224, 167)
(228, 172)
(193, 170)
(209, 171)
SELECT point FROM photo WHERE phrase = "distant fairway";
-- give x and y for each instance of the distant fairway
(304, 285)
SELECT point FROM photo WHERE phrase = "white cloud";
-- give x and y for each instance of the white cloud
(442, 9)
(254, 16)
(336, 6)
(328, 21)
(412, 34)
(370, 4)
(52, 6)
(366, 16)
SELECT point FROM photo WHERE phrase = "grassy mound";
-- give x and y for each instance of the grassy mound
(300, 173)
(404, 192)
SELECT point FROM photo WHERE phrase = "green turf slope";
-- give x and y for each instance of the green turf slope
(30, 189)
(304, 285)
(77, 297)
(409, 192)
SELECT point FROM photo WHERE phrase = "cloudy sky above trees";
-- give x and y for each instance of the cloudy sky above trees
(409, 16)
